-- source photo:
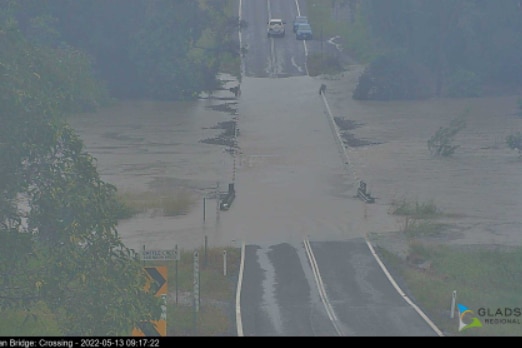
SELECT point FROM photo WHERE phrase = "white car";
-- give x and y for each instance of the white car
(276, 28)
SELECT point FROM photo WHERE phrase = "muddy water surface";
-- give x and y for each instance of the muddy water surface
(145, 146)
(479, 187)
(161, 148)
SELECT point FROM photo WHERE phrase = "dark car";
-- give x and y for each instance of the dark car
(299, 20)
(303, 32)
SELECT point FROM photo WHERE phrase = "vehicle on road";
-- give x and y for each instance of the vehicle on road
(304, 32)
(276, 28)
(299, 20)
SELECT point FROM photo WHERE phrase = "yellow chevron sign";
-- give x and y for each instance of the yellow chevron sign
(157, 283)
(157, 280)
(153, 328)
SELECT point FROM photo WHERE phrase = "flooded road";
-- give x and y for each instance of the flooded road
(292, 182)
(157, 147)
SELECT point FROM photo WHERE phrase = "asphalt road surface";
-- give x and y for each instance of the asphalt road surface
(293, 184)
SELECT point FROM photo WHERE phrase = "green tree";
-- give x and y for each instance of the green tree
(159, 49)
(464, 43)
(58, 239)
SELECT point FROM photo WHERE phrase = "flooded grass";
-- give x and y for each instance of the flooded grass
(417, 210)
(166, 204)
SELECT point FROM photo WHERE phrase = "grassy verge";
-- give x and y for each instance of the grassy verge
(486, 279)
(217, 289)
(482, 277)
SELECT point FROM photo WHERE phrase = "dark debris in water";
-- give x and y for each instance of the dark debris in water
(345, 124)
(225, 107)
(227, 137)
(348, 138)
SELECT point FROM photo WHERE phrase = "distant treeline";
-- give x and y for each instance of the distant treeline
(451, 47)
(160, 49)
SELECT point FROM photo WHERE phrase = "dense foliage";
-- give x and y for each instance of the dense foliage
(461, 46)
(160, 49)
(61, 259)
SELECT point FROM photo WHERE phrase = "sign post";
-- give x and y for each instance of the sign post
(178, 257)
(225, 262)
(195, 299)
(157, 284)
(453, 300)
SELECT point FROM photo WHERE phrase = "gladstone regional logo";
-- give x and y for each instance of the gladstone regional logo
(488, 316)
(467, 318)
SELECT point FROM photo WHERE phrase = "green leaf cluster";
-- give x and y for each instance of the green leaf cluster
(162, 49)
(60, 253)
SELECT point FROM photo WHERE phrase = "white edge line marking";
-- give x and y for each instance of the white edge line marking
(239, 322)
(399, 290)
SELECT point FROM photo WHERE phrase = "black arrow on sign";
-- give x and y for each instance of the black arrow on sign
(148, 329)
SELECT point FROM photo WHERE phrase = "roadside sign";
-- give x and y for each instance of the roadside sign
(157, 283)
(157, 280)
(196, 281)
(155, 254)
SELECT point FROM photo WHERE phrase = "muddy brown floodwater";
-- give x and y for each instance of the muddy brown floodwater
(478, 188)
(161, 148)
(145, 146)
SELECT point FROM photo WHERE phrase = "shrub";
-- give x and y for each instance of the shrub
(441, 143)
(415, 210)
